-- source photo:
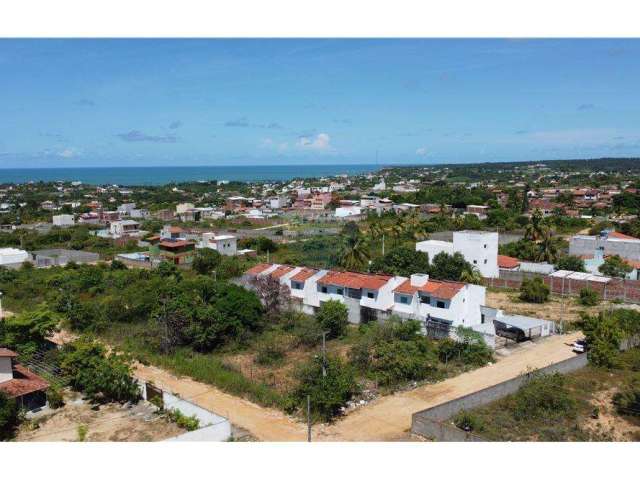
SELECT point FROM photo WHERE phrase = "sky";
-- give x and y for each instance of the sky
(134, 102)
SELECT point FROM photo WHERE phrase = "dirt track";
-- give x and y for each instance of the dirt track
(387, 418)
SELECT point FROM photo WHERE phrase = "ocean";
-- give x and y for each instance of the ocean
(131, 176)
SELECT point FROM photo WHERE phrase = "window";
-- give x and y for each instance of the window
(440, 304)
(296, 285)
(485, 245)
(323, 289)
(485, 261)
(340, 291)
(475, 262)
(371, 295)
(426, 300)
(482, 318)
(404, 300)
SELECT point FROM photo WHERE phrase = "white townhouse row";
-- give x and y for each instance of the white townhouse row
(441, 306)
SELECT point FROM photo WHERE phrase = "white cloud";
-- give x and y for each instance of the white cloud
(270, 143)
(69, 153)
(322, 141)
(422, 151)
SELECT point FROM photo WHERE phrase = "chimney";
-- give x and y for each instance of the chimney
(419, 279)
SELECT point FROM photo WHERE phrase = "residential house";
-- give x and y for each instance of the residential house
(13, 257)
(63, 220)
(479, 248)
(18, 382)
(223, 244)
(608, 242)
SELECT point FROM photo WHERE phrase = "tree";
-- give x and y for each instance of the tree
(627, 400)
(570, 262)
(9, 416)
(273, 295)
(100, 376)
(28, 331)
(206, 260)
(534, 290)
(603, 334)
(615, 266)
(535, 228)
(333, 318)
(449, 267)
(355, 253)
(588, 297)
(168, 269)
(402, 261)
(118, 265)
(328, 394)
(471, 276)
(548, 247)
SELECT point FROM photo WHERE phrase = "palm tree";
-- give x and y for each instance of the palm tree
(471, 276)
(548, 247)
(355, 253)
(535, 228)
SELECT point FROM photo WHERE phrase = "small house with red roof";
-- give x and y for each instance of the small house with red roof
(20, 383)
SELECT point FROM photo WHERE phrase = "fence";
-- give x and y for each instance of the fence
(625, 290)
(434, 422)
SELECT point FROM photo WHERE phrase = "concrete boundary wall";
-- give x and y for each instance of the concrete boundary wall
(433, 422)
(213, 427)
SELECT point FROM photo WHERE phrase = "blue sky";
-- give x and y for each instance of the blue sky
(247, 102)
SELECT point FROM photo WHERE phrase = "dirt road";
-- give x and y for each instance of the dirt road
(387, 418)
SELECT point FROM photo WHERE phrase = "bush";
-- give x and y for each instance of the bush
(469, 349)
(468, 422)
(394, 353)
(206, 260)
(603, 334)
(98, 375)
(9, 416)
(588, 297)
(28, 331)
(627, 400)
(55, 397)
(534, 290)
(308, 331)
(328, 393)
(544, 396)
(188, 423)
(270, 350)
(333, 318)
(570, 262)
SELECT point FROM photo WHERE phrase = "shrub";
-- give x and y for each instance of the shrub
(468, 422)
(588, 297)
(327, 393)
(627, 400)
(98, 375)
(55, 397)
(615, 266)
(570, 262)
(469, 348)
(333, 318)
(188, 423)
(544, 396)
(28, 331)
(603, 334)
(9, 416)
(534, 290)
(206, 260)
(394, 352)
(308, 331)
(270, 350)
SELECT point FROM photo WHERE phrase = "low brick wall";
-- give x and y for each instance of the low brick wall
(434, 422)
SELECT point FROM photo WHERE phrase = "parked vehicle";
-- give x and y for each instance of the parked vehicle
(580, 346)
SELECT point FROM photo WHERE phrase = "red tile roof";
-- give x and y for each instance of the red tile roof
(304, 274)
(257, 269)
(355, 280)
(5, 352)
(437, 288)
(621, 236)
(280, 271)
(175, 244)
(504, 261)
(175, 230)
(24, 381)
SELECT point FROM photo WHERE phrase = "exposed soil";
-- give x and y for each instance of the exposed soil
(556, 309)
(107, 423)
(609, 424)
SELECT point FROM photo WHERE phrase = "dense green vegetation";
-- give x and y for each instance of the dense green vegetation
(534, 290)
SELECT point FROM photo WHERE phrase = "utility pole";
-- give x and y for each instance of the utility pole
(324, 354)
(383, 244)
(308, 418)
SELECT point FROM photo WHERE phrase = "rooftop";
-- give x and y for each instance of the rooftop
(355, 280)
(437, 288)
(24, 381)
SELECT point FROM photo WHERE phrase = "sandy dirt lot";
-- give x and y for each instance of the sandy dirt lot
(109, 423)
(555, 309)
(385, 419)
(609, 423)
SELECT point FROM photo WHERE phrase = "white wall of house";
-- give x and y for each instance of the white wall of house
(223, 244)
(434, 247)
(10, 256)
(479, 249)
(6, 372)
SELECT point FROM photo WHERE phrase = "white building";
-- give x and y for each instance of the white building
(63, 220)
(122, 228)
(223, 244)
(439, 306)
(478, 248)
(183, 207)
(13, 256)
(348, 212)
